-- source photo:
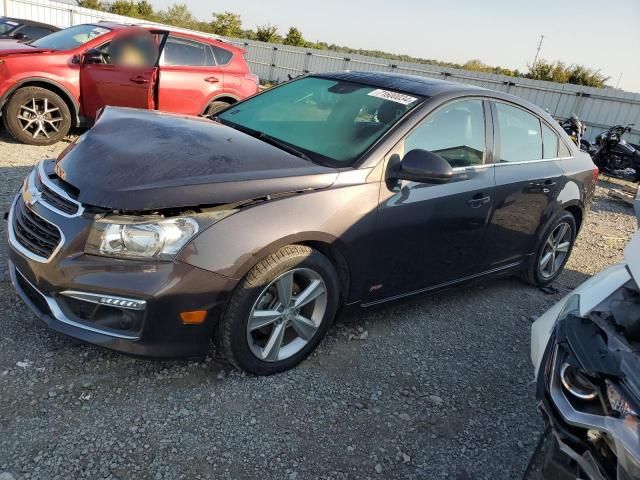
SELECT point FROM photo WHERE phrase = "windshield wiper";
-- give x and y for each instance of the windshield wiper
(266, 138)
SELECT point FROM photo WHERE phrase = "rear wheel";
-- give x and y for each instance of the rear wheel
(37, 116)
(553, 251)
(215, 107)
(280, 311)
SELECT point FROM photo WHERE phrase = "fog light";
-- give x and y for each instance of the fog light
(576, 383)
(193, 318)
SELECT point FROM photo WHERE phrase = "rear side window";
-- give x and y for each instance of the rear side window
(520, 135)
(550, 142)
(455, 132)
(223, 56)
(183, 52)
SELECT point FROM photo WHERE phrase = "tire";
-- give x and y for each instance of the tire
(216, 107)
(37, 116)
(252, 350)
(540, 276)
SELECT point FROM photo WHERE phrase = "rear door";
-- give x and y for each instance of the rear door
(189, 76)
(124, 75)
(529, 176)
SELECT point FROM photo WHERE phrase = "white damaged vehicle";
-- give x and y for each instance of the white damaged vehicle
(586, 354)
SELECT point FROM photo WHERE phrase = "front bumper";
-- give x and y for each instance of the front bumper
(129, 306)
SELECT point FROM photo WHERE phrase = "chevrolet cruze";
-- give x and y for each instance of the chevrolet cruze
(155, 233)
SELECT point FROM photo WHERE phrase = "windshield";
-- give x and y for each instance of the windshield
(7, 25)
(330, 121)
(70, 38)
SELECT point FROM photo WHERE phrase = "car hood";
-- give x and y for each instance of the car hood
(138, 160)
(13, 47)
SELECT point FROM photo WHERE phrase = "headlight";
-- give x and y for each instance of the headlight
(147, 238)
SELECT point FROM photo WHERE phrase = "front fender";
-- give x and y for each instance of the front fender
(341, 218)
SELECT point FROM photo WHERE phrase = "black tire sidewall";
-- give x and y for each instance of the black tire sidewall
(249, 290)
(18, 99)
(537, 278)
(215, 108)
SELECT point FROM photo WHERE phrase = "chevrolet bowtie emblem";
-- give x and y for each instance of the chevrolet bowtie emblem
(31, 197)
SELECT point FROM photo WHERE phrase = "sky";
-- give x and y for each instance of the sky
(600, 34)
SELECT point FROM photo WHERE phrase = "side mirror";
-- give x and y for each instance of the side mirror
(92, 56)
(425, 167)
(20, 36)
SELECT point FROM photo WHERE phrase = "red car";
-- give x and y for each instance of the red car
(64, 79)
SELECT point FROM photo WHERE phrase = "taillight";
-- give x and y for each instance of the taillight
(596, 172)
(252, 77)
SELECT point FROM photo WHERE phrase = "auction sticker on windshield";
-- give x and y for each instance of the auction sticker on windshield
(393, 96)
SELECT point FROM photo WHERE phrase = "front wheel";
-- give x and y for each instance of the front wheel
(37, 116)
(553, 250)
(280, 311)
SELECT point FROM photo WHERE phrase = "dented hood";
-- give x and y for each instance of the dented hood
(143, 160)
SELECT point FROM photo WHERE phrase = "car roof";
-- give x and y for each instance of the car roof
(31, 23)
(413, 84)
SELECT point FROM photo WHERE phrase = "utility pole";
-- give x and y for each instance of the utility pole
(619, 80)
(535, 59)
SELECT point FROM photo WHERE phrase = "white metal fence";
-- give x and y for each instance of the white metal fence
(598, 108)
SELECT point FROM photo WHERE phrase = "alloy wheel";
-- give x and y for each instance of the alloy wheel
(555, 250)
(40, 118)
(287, 315)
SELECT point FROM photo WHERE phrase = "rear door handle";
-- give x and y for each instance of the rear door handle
(139, 79)
(212, 79)
(478, 200)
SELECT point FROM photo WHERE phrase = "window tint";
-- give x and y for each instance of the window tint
(223, 56)
(179, 51)
(549, 142)
(34, 33)
(520, 134)
(455, 132)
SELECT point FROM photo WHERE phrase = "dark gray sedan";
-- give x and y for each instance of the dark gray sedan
(154, 233)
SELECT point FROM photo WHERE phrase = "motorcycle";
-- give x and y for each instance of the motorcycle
(576, 130)
(586, 354)
(615, 156)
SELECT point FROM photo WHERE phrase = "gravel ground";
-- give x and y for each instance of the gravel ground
(436, 387)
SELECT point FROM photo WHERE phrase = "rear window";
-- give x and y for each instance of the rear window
(223, 56)
(7, 25)
(183, 52)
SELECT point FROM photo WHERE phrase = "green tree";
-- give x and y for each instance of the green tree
(294, 37)
(227, 24)
(268, 33)
(178, 15)
(124, 7)
(92, 4)
(561, 73)
(145, 10)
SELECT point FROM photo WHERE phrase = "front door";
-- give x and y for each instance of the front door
(189, 76)
(122, 73)
(529, 175)
(429, 235)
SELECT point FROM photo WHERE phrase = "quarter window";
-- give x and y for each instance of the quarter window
(520, 134)
(223, 56)
(456, 132)
(550, 142)
(182, 52)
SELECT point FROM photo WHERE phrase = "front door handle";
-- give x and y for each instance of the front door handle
(478, 200)
(212, 79)
(139, 79)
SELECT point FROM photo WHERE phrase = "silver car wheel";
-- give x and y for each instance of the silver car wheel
(287, 315)
(555, 250)
(39, 119)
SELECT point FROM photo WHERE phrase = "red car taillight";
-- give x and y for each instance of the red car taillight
(596, 173)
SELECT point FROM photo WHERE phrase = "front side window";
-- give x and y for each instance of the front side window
(31, 32)
(456, 132)
(182, 52)
(331, 121)
(519, 134)
(71, 37)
